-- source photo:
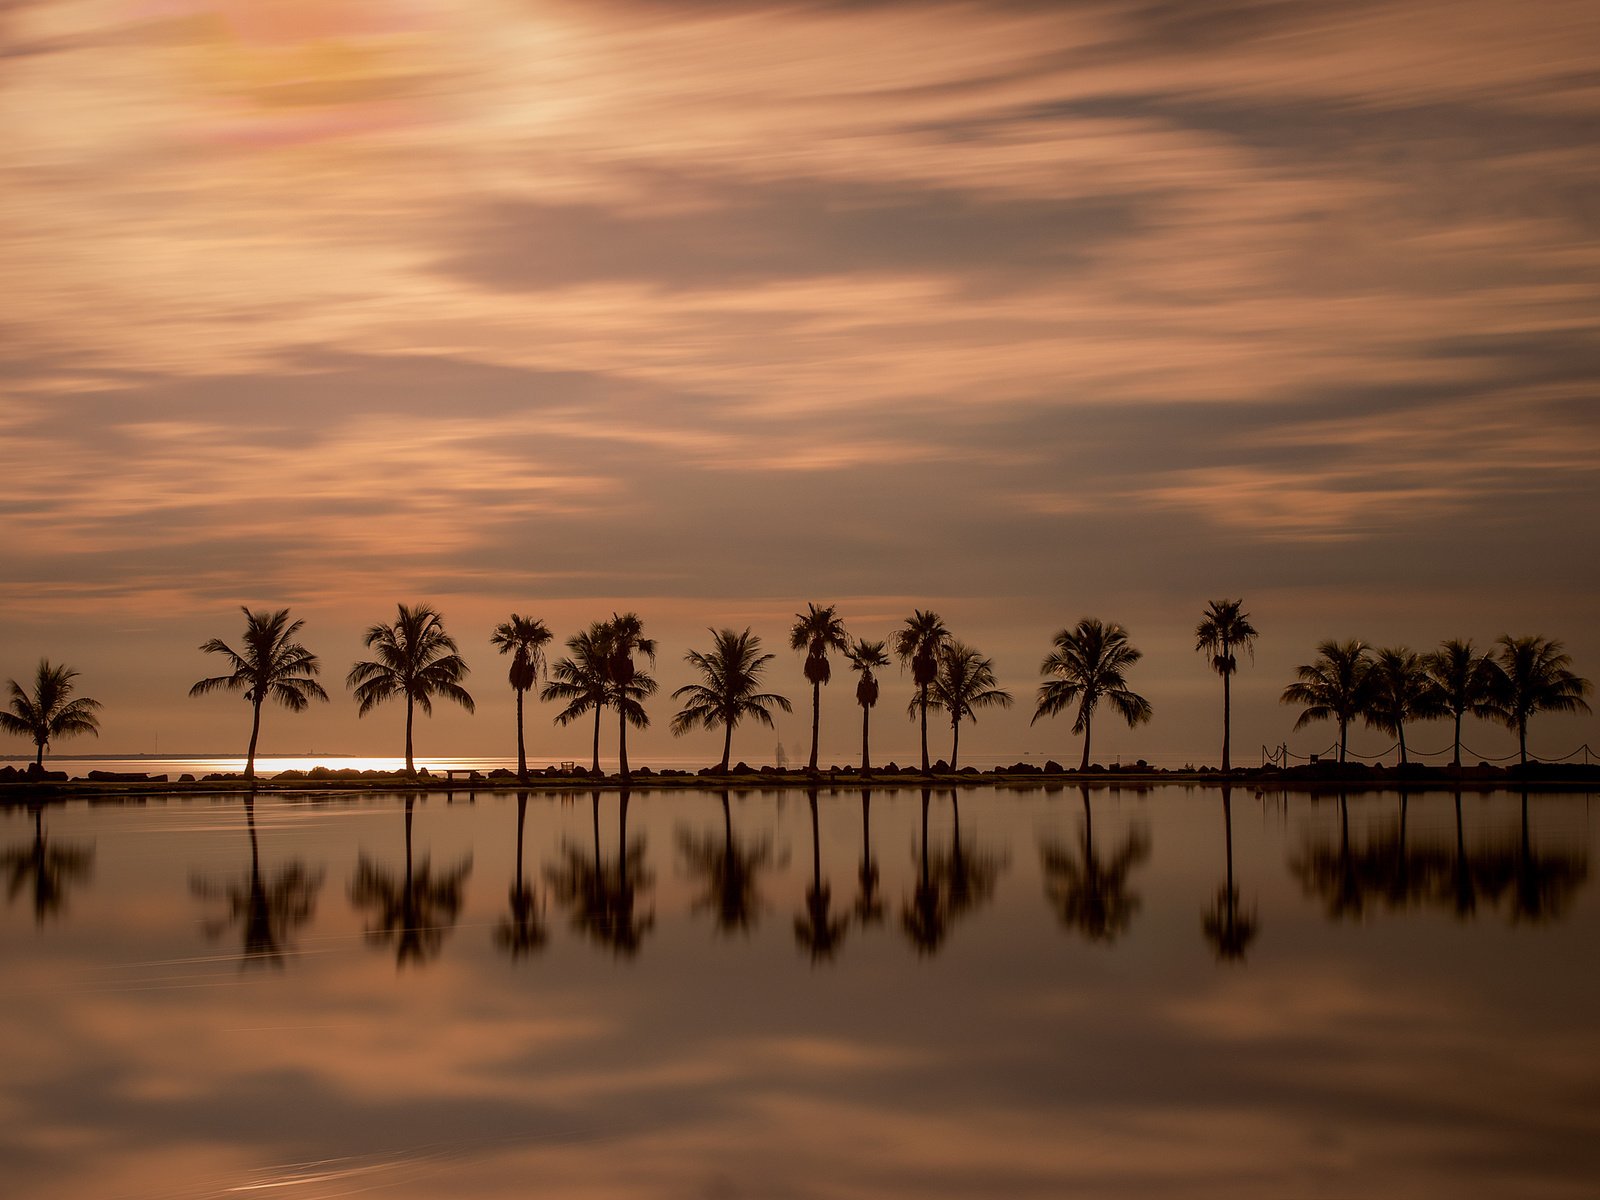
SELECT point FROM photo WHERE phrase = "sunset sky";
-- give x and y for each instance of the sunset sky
(1018, 311)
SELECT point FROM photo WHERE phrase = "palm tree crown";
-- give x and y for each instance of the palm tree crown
(579, 681)
(1224, 628)
(49, 711)
(816, 631)
(1535, 675)
(1465, 679)
(524, 639)
(866, 657)
(1090, 663)
(965, 683)
(416, 659)
(269, 665)
(1333, 686)
(916, 644)
(731, 673)
(1400, 690)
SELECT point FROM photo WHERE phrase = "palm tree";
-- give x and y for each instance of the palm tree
(1334, 686)
(1227, 925)
(627, 687)
(266, 909)
(416, 659)
(917, 643)
(1224, 628)
(524, 639)
(965, 683)
(579, 679)
(270, 665)
(522, 931)
(730, 873)
(816, 631)
(817, 928)
(49, 712)
(414, 911)
(1465, 680)
(1090, 894)
(1534, 676)
(732, 673)
(47, 869)
(866, 657)
(1400, 689)
(1091, 664)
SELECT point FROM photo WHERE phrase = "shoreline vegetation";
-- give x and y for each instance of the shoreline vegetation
(33, 785)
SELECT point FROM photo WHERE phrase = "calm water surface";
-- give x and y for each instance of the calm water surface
(1020, 993)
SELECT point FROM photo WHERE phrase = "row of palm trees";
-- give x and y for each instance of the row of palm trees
(1391, 687)
(607, 668)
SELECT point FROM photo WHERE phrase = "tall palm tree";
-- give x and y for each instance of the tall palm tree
(1224, 628)
(579, 680)
(816, 631)
(1090, 663)
(729, 872)
(1465, 679)
(522, 930)
(965, 683)
(916, 643)
(1400, 690)
(1227, 925)
(731, 673)
(1090, 894)
(416, 659)
(865, 657)
(523, 638)
(413, 911)
(817, 928)
(49, 711)
(627, 686)
(269, 665)
(1333, 686)
(266, 908)
(1534, 676)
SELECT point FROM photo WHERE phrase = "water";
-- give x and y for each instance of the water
(1037, 998)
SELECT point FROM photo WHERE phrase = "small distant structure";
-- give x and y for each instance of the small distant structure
(779, 757)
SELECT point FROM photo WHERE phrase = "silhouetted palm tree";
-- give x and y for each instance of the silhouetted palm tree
(865, 657)
(925, 915)
(603, 898)
(416, 659)
(1229, 928)
(266, 910)
(729, 872)
(868, 905)
(522, 931)
(968, 875)
(414, 911)
(1223, 629)
(1090, 663)
(732, 673)
(1332, 687)
(627, 686)
(1400, 689)
(965, 683)
(1534, 676)
(47, 869)
(816, 631)
(523, 638)
(269, 665)
(917, 643)
(579, 681)
(1465, 680)
(1090, 895)
(1544, 884)
(49, 711)
(817, 928)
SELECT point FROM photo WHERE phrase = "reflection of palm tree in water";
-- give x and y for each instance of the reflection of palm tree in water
(522, 930)
(923, 916)
(266, 909)
(816, 927)
(602, 897)
(1545, 882)
(1464, 888)
(868, 905)
(47, 869)
(729, 871)
(1090, 895)
(414, 911)
(1228, 928)
(950, 883)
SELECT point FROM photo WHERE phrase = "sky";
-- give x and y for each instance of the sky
(1021, 312)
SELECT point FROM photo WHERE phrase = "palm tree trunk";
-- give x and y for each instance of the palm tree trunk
(1456, 761)
(1522, 739)
(816, 721)
(38, 758)
(597, 709)
(1088, 729)
(522, 753)
(1227, 719)
(866, 754)
(409, 802)
(727, 744)
(622, 741)
(255, 732)
(1227, 827)
(923, 704)
(1400, 730)
(1344, 726)
(411, 766)
(816, 848)
(955, 741)
(522, 814)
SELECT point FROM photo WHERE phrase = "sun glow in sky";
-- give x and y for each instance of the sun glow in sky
(1020, 312)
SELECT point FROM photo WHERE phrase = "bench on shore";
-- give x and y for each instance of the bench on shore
(467, 773)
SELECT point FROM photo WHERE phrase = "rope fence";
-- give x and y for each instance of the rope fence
(1282, 757)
